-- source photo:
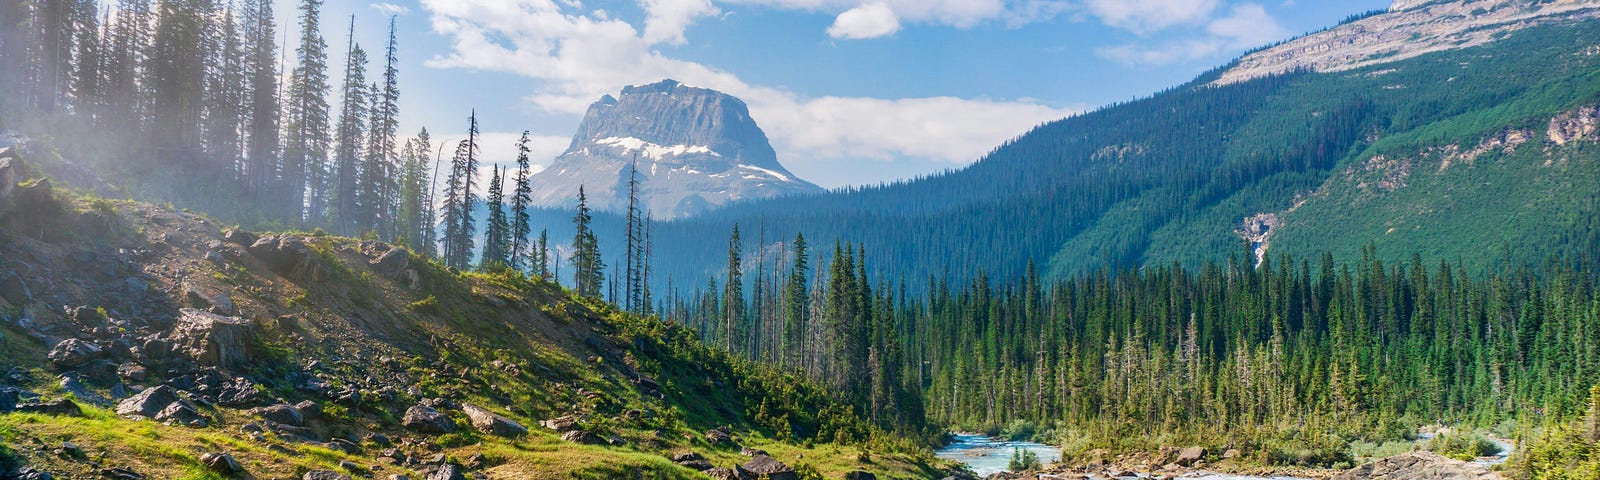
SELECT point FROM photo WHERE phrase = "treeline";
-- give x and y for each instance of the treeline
(184, 99)
(1291, 360)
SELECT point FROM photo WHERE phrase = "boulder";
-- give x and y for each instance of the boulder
(860, 475)
(59, 407)
(1188, 456)
(425, 419)
(183, 413)
(718, 437)
(222, 463)
(8, 181)
(723, 474)
(213, 340)
(492, 423)
(1418, 466)
(392, 262)
(281, 413)
(240, 237)
(582, 437)
(324, 475)
(8, 399)
(73, 352)
(447, 472)
(287, 255)
(132, 372)
(763, 466)
(562, 424)
(147, 403)
(1231, 454)
(238, 392)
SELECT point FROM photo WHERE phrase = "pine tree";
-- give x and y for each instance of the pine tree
(261, 172)
(176, 75)
(225, 99)
(797, 300)
(344, 208)
(87, 62)
(634, 243)
(414, 212)
(379, 169)
(588, 269)
(542, 261)
(734, 330)
(497, 232)
(521, 199)
(306, 136)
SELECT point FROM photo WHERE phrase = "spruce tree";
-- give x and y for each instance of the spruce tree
(634, 243)
(588, 269)
(734, 329)
(225, 99)
(344, 208)
(306, 136)
(542, 260)
(497, 232)
(261, 171)
(796, 301)
(380, 166)
(415, 213)
(521, 199)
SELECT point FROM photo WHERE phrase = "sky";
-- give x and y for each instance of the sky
(851, 92)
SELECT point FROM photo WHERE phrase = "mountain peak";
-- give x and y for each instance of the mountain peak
(1410, 28)
(696, 149)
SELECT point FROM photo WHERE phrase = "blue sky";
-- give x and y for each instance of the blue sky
(851, 92)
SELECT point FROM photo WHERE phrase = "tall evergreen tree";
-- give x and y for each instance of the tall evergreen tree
(541, 264)
(261, 171)
(796, 301)
(225, 98)
(521, 199)
(497, 231)
(344, 208)
(176, 75)
(379, 170)
(415, 221)
(87, 62)
(588, 269)
(634, 242)
(734, 329)
(306, 136)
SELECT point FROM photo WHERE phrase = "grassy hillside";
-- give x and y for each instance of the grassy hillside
(363, 341)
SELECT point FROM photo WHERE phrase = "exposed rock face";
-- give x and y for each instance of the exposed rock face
(1419, 466)
(696, 148)
(1575, 125)
(1409, 29)
(213, 340)
(392, 262)
(147, 403)
(492, 423)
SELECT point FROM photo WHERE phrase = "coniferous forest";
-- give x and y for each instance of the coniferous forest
(1100, 341)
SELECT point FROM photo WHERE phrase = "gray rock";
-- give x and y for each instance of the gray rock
(8, 399)
(723, 474)
(763, 466)
(147, 403)
(392, 262)
(492, 423)
(562, 424)
(183, 413)
(239, 237)
(213, 340)
(582, 437)
(59, 407)
(447, 472)
(222, 463)
(281, 413)
(1190, 455)
(287, 255)
(324, 475)
(73, 352)
(427, 420)
(860, 475)
(238, 392)
(132, 372)
(1418, 466)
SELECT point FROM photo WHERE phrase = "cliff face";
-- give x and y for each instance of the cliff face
(1409, 29)
(695, 149)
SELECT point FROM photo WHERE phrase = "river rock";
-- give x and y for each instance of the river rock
(492, 423)
(1419, 466)
(1188, 456)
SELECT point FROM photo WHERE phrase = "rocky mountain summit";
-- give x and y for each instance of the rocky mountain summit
(1410, 28)
(696, 149)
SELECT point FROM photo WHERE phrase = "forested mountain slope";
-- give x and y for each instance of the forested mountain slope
(1472, 155)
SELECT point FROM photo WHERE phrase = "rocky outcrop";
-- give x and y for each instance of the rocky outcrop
(72, 353)
(1409, 29)
(392, 262)
(1419, 466)
(1573, 126)
(696, 149)
(286, 255)
(213, 340)
(147, 403)
(763, 466)
(492, 423)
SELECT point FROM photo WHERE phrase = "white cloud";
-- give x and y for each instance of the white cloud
(577, 57)
(1142, 16)
(1247, 25)
(390, 8)
(866, 21)
(666, 20)
(953, 13)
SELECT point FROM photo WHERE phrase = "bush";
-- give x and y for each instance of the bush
(1462, 446)
(1023, 460)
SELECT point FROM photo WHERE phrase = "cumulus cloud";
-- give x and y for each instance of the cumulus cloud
(953, 13)
(866, 21)
(576, 57)
(1245, 26)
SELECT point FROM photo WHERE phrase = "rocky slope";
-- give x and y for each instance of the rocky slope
(1409, 29)
(696, 149)
(141, 342)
